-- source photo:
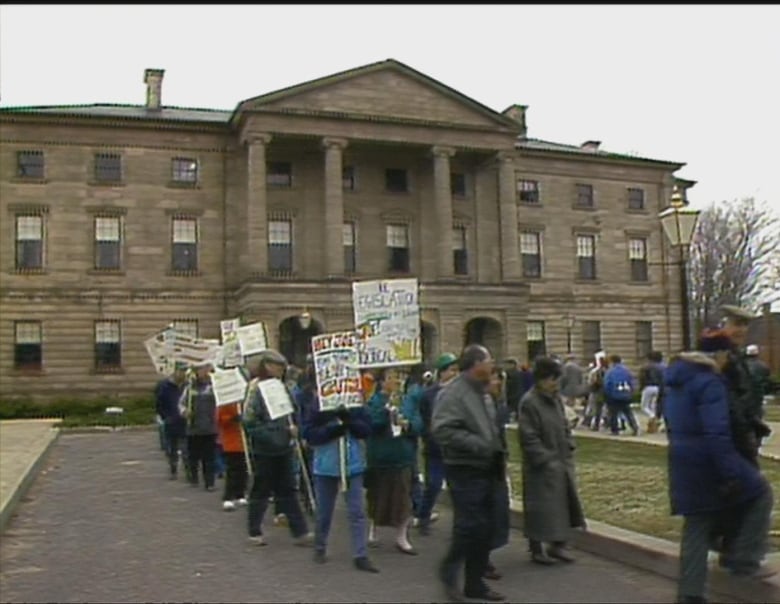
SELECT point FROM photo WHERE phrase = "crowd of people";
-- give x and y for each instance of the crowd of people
(453, 419)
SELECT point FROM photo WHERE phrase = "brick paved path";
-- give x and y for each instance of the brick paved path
(103, 524)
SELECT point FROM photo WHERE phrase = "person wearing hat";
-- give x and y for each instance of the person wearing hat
(759, 372)
(708, 477)
(167, 394)
(271, 443)
(446, 371)
(198, 405)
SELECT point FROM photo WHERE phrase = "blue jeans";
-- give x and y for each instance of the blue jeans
(434, 479)
(326, 489)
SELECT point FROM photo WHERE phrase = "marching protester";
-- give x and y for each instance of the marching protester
(322, 430)
(594, 412)
(229, 422)
(572, 382)
(167, 394)
(271, 443)
(199, 406)
(464, 426)
(759, 372)
(410, 409)
(619, 392)
(551, 505)
(651, 381)
(390, 461)
(708, 477)
(446, 370)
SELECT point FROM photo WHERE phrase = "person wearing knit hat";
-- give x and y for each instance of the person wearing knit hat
(708, 478)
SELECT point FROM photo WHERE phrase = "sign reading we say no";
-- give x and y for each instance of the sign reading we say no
(336, 365)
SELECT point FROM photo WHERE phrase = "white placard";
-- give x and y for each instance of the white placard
(160, 354)
(336, 365)
(229, 386)
(193, 350)
(231, 348)
(277, 398)
(252, 338)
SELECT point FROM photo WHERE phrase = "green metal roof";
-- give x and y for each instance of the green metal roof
(172, 114)
(536, 144)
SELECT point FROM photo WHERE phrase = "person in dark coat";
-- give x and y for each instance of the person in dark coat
(551, 505)
(707, 475)
(199, 406)
(514, 385)
(167, 394)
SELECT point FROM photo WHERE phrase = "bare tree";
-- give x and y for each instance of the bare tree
(735, 257)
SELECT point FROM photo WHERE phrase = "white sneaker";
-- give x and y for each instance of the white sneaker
(434, 516)
(242, 501)
(228, 506)
(258, 540)
(415, 522)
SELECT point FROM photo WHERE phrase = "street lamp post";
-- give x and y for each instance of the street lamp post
(679, 223)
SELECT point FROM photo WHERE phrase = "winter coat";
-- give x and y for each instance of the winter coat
(745, 405)
(167, 394)
(706, 472)
(201, 405)
(427, 400)
(618, 384)
(384, 449)
(322, 430)
(266, 437)
(551, 505)
(572, 380)
(464, 425)
(229, 421)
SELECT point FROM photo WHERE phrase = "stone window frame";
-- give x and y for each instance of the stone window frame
(115, 212)
(578, 232)
(276, 215)
(30, 153)
(519, 193)
(270, 175)
(396, 218)
(536, 350)
(190, 217)
(177, 181)
(538, 230)
(635, 273)
(100, 329)
(352, 178)
(407, 175)
(579, 196)
(96, 168)
(589, 351)
(351, 220)
(630, 203)
(35, 366)
(33, 210)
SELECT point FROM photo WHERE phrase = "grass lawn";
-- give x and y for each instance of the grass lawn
(772, 412)
(625, 484)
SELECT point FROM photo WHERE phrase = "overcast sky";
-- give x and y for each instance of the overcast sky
(693, 84)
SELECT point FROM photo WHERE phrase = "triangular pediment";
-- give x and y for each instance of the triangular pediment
(388, 90)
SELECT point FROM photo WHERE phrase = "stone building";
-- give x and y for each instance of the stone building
(117, 220)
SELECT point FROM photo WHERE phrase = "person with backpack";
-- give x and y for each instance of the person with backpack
(619, 392)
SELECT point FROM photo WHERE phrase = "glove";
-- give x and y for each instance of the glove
(343, 414)
(236, 418)
(337, 431)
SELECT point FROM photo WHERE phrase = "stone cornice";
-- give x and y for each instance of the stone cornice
(256, 138)
(330, 142)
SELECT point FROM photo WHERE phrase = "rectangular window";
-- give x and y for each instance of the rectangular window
(531, 253)
(279, 174)
(185, 244)
(636, 199)
(644, 339)
(584, 196)
(29, 242)
(187, 327)
(29, 164)
(637, 256)
(398, 247)
(280, 246)
(107, 243)
(459, 250)
(458, 184)
(586, 256)
(108, 167)
(591, 338)
(28, 353)
(528, 191)
(396, 181)
(537, 344)
(349, 241)
(348, 180)
(108, 345)
(184, 170)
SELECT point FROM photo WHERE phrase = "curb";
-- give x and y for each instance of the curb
(30, 474)
(107, 429)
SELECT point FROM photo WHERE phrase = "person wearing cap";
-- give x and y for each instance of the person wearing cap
(271, 442)
(759, 372)
(167, 394)
(446, 371)
(198, 405)
(708, 477)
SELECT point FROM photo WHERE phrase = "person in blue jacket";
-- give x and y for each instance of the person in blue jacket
(707, 475)
(619, 391)
(323, 431)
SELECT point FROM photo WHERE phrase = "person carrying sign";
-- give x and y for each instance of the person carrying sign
(167, 393)
(229, 418)
(199, 406)
(271, 443)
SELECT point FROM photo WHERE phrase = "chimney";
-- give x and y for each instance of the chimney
(590, 146)
(153, 79)
(516, 113)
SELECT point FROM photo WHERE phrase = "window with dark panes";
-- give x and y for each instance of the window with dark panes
(644, 338)
(591, 338)
(585, 196)
(184, 170)
(29, 164)
(108, 345)
(458, 184)
(187, 327)
(28, 345)
(537, 345)
(107, 242)
(29, 242)
(636, 199)
(108, 167)
(528, 191)
(280, 258)
(586, 256)
(396, 180)
(460, 251)
(350, 251)
(398, 247)
(637, 255)
(185, 244)
(348, 180)
(278, 174)
(531, 253)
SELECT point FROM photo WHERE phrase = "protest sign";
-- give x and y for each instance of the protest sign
(336, 365)
(252, 338)
(160, 353)
(231, 348)
(229, 386)
(277, 398)
(387, 317)
(192, 350)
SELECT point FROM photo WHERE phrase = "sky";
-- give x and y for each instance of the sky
(694, 84)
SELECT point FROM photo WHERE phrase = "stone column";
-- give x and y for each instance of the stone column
(256, 205)
(443, 206)
(510, 252)
(334, 207)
